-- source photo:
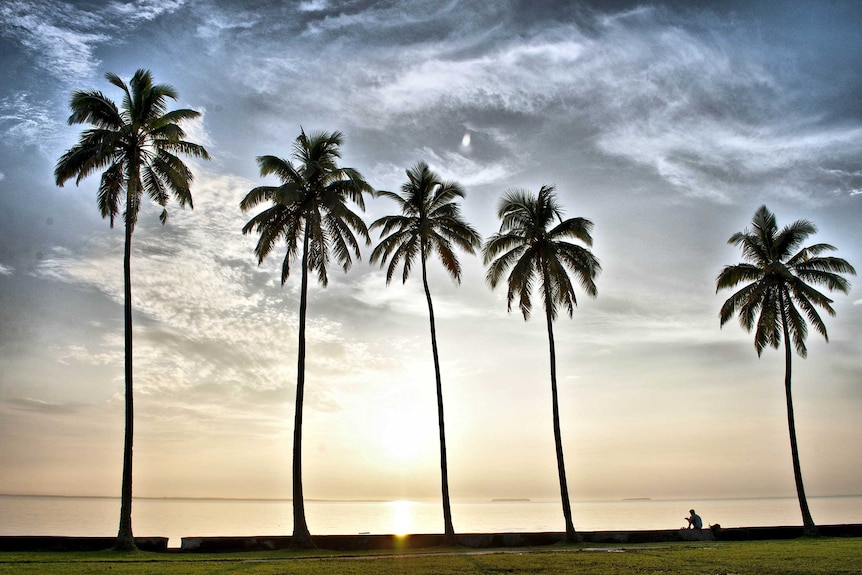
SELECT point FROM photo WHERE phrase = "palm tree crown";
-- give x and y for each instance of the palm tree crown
(311, 201)
(532, 251)
(778, 273)
(430, 222)
(135, 145)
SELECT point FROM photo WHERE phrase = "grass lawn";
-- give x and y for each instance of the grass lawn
(799, 556)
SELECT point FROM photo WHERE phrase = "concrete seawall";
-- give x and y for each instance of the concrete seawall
(396, 542)
(491, 540)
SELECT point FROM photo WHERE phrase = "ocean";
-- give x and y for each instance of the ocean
(177, 518)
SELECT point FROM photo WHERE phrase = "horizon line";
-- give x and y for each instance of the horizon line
(415, 500)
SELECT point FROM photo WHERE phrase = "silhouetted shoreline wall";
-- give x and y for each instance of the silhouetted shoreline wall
(395, 542)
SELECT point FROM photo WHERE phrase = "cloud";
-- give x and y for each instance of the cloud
(63, 37)
(205, 314)
(449, 164)
(144, 10)
(216, 23)
(409, 299)
(39, 406)
(313, 5)
(25, 121)
(690, 97)
(6, 270)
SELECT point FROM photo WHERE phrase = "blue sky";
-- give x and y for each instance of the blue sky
(666, 124)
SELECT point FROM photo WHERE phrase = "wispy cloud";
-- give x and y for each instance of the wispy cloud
(62, 37)
(6, 270)
(696, 101)
(313, 5)
(25, 121)
(144, 10)
(231, 327)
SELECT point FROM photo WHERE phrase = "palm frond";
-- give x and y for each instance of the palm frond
(578, 228)
(797, 329)
(520, 283)
(825, 271)
(731, 276)
(499, 264)
(768, 330)
(111, 187)
(281, 168)
(256, 196)
(94, 108)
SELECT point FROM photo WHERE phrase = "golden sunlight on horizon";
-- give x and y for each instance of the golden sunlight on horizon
(401, 517)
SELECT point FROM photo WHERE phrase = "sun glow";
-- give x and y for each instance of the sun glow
(401, 517)
(406, 434)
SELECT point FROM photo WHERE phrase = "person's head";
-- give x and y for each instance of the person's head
(691, 511)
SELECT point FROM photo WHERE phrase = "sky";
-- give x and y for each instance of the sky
(665, 124)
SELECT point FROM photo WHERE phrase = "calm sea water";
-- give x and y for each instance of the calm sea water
(177, 518)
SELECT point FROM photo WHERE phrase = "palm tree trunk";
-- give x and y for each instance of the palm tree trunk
(301, 536)
(808, 525)
(125, 539)
(571, 535)
(449, 530)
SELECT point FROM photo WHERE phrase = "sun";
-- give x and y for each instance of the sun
(402, 437)
(405, 431)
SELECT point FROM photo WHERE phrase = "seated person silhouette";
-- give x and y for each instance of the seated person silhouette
(694, 520)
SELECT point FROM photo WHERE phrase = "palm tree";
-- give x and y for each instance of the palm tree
(310, 206)
(136, 147)
(430, 222)
(778, 297)
(533, 252)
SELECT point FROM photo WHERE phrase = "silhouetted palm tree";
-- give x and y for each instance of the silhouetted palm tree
(778, 297)
(430, 223)
(136, 147)
(535, 253)
(310, 206)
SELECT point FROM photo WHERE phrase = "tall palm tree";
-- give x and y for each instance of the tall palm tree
(309, 207)
(533, 252)
(430, 223)
(135, 146)
(778, 297)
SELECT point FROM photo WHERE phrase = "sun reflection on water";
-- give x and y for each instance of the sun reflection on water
(401, 517)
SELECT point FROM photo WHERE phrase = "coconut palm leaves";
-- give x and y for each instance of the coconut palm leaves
(778, 300)
(135, 146)
(430, 223)
(309, 207)
(532, 246)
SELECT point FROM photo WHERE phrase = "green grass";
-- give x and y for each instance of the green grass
(800, 556)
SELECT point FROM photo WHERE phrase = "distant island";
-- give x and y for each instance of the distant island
(510, 500)
(637, 498)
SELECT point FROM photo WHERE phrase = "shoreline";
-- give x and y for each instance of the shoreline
(227, 544)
